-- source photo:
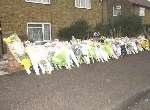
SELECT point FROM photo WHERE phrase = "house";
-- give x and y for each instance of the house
(129, 7)
(40, 20)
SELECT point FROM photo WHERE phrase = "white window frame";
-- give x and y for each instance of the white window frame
(41, 1)
(87, 4)
(119, 6)
(42, 29)
(141, 10)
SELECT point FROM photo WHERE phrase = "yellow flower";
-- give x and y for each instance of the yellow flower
(26, 63)
(7, 40)
(144, 43)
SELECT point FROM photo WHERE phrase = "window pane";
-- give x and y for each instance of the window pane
(88, 4)
(37, 0)
(34, 25)
(83, 3)
(34, 1)
(46, 32)
(116, 10)
(35, 34)
(77, 3)
(141, 11)
(46, 1)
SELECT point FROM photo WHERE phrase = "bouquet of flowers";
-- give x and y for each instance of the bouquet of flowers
(17, 49)
(57, 55)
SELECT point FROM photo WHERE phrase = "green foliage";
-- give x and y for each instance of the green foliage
(122, 26)
(77, 29)
(103, 29)
(147, 28)
(128, 25)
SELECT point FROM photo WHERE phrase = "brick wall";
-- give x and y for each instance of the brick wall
(147, 16)
(15, 14)
(60, 13)
(128, 9)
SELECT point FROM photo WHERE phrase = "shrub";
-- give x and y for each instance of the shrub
(147, 28)
(128, 25)
(103, 29)
(77, 29)
(122, 26)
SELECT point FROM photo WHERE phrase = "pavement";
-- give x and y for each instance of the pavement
(3, 66)
(114, 85)
(142, 104)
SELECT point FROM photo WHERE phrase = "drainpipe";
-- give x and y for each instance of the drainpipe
(1, 42)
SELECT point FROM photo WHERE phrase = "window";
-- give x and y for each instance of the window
(39, 31)
(39, 1)
(141, 11)
(116, 10)
(83, 4)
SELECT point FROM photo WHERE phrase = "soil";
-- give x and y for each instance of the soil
(98, 86)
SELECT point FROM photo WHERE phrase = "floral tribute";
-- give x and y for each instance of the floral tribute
(17, 49)
(48, 56)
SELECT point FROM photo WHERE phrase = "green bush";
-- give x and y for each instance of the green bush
(147, 28)
(122, 26)
(77, 29)
(103, 29)
(128, 25)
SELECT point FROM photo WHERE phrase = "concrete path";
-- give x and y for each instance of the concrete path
(99, 86)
